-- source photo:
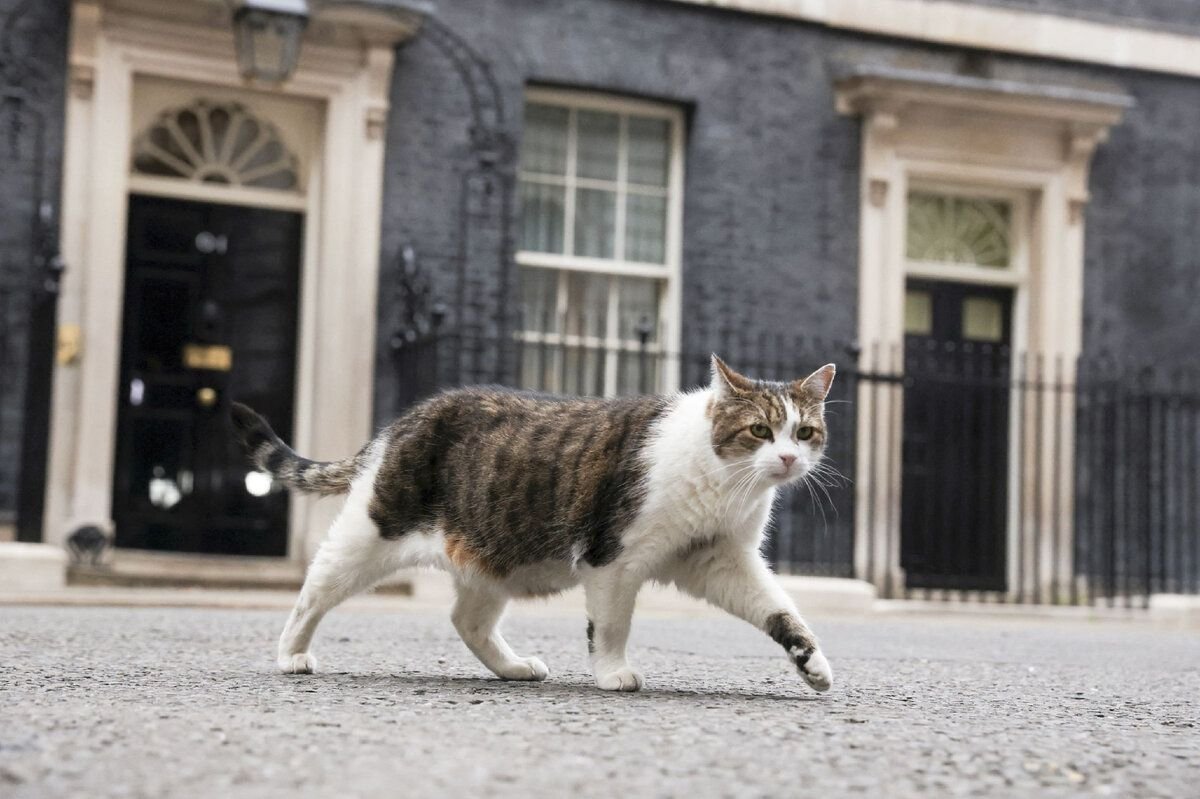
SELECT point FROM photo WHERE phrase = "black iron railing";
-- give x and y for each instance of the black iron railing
(957, 470)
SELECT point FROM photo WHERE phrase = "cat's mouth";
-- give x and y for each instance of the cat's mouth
(786, 474)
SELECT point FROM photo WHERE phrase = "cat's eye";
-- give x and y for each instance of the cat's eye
(760, 430)
(804, 433)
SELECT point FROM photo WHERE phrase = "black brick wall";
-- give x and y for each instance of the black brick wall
(32, 75)
(771, 195)
(1142, 246)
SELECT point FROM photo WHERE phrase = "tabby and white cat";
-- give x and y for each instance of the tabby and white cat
(520, 495)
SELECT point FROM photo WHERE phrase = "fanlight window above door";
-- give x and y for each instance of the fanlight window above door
(944, 228)
(218, 143)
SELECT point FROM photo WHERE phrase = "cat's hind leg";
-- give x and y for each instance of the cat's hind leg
(476, 616)
(352, 559)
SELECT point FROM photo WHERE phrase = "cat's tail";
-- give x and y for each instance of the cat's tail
(268, 452)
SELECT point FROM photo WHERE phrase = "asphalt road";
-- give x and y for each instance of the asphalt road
(148, 702)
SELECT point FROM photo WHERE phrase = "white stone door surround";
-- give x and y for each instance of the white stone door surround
(127, 59)
(1031, 144)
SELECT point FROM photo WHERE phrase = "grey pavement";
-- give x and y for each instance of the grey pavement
(103, 702)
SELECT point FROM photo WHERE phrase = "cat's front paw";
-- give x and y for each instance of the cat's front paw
(299, 663)
(813, 667)
(528, 669)
(622, 679)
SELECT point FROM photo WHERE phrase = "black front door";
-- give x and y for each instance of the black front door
(211, 295)
(954, 482)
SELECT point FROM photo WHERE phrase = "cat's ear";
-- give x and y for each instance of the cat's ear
(726, 381)
(818, 383)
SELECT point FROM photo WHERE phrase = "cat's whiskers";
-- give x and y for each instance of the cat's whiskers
(824, 490)
(734, 485)
(723, 483)
(808, 484)
(813, 478)
(747, 478)
(743, 492)
(829, 471)
(721, 468)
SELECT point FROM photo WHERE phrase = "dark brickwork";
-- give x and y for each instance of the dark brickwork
(772, 172)
(1142, 246)
(771, 196)
(33, 41)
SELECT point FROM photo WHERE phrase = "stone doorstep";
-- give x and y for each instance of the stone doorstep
(1182, 609)
(829, 594)
(1174, 611)
(811, 594)
(170, 570)
(413, 588)
(432, 592)
(32, 567)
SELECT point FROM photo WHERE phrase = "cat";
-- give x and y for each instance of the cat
(519, 495)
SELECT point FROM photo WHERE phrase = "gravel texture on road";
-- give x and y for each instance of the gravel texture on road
(175, 702)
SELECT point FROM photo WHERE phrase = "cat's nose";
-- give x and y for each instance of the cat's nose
(788, 460)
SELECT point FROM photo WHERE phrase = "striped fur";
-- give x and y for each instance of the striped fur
(518, 494)
(515, 478)
(269, 453)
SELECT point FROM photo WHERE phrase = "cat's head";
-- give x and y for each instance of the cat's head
(776, 430)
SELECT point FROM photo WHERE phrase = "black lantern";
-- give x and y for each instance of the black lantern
(267, 34)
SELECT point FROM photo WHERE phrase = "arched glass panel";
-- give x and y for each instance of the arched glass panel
(216, 142)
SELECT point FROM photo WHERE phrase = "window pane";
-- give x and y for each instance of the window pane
(961, 230)
(982, 319)
(583, 371)
(595, 219)
(637, 373)
(542, 217)
(596, 153)
(539, 299)
(918, 313)
(541, 366)
(544, 141)
(638, 308)
(587, 304)
(649, 145)
(645, 228)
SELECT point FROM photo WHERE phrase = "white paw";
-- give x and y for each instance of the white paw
(623, 679)
(299, 663)
(525, 669)
(816, 672)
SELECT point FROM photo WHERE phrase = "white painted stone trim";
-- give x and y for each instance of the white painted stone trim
(115, 46)
(1016, 143)
(991, 28)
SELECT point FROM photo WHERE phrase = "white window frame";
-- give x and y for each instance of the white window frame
(669, 272)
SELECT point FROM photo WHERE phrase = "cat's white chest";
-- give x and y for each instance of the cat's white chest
(690, 493)
(711, 506)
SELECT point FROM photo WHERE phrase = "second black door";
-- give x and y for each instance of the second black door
(211, 295)
(954, 483)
